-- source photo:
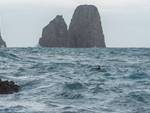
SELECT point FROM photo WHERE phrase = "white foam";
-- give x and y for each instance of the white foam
(32, 106)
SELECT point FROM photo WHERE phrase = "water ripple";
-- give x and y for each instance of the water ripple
(61, 80)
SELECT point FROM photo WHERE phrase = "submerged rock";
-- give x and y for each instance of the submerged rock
(85, 29)
(55, 33)
(2, 42)
(8, 87)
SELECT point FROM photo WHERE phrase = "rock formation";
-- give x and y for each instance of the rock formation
(8, 87)
(2, 43)
(55, 33)
(85, 29)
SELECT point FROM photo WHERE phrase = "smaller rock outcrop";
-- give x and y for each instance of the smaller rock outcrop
(2, 42)
(8, 87)
(55, 33)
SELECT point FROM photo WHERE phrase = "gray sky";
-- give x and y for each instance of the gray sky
(126, 23)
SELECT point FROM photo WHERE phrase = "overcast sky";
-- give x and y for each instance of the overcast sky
(126, 23)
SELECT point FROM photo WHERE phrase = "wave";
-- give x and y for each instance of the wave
(67, 80)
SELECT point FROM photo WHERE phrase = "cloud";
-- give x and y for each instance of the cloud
(69, 2)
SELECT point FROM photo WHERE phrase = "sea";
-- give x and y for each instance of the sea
(61, 80)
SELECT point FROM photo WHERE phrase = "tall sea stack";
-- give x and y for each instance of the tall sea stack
(55, 33)
(85, 29)
(2, 42)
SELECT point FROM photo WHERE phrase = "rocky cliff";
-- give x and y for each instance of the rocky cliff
(2, 42)
(85, 29)
(55, 33)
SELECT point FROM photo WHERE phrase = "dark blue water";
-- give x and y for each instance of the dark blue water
(71, 81)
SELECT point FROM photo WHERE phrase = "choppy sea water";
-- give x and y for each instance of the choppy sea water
(76, 80)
